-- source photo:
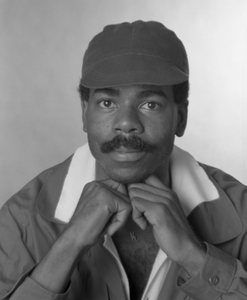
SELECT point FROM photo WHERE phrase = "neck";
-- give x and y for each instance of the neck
(163, 173)
(99, 172)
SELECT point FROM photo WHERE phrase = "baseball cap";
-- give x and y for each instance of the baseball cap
(134, 53)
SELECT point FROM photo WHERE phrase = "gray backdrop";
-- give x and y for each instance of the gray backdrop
(42, 43)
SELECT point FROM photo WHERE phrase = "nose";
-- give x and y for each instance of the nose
(127, 121)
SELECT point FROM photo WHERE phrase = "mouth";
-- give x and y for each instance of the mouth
(124, 154)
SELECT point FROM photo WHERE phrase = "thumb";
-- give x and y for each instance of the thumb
(121, 188)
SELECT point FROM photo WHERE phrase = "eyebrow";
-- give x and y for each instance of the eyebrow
(140, 94)
(107, 91)
(149, 93)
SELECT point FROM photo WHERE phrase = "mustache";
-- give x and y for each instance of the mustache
(133, 142)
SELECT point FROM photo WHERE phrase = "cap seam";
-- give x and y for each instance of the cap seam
(131, 43)
(126, 73)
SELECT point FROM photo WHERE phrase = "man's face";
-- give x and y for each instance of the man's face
(131, 129)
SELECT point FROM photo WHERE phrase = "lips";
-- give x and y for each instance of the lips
(123, 154)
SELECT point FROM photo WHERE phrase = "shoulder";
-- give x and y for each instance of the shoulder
(25, 199)
(233, 188)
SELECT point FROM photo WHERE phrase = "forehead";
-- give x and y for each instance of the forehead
(139, 90)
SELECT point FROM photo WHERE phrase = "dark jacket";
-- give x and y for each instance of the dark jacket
(28, 229)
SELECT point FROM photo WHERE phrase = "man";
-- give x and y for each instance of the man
(110, 222)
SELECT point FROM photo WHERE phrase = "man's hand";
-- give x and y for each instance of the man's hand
(158, 205)
(103, 207)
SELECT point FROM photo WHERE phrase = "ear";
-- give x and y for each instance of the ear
(84, 106)
(182, 118)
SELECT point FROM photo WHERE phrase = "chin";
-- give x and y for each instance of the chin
(128, 178)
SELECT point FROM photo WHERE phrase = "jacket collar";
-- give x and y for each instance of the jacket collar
(50, 193)
(207, 206)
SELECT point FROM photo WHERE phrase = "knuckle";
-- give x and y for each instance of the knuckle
(91, 185)
(133, 193)
(87, 186)
(99, 189)
(131, 187)
(107, 209)
(134, 200)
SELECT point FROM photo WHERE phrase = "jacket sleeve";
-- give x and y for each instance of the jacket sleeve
(17, 260)
(30, 290)
(221, 277)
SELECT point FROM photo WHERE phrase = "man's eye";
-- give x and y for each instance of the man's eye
(107, 104)
(151, 106)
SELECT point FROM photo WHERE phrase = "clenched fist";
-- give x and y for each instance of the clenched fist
(152, 202)
(104, 206)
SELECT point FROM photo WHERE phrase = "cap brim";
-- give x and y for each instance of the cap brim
(132, 68)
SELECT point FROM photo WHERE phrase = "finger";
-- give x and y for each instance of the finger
(138, 214)
(145, 191)
(156, 213)
(118, 219)
(116, 188)
(113, 184)
(172, 203)
(146, 195)
(168, 200)
(122, 189)
(150, 193)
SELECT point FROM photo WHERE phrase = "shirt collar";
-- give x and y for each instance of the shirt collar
(196, 189)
